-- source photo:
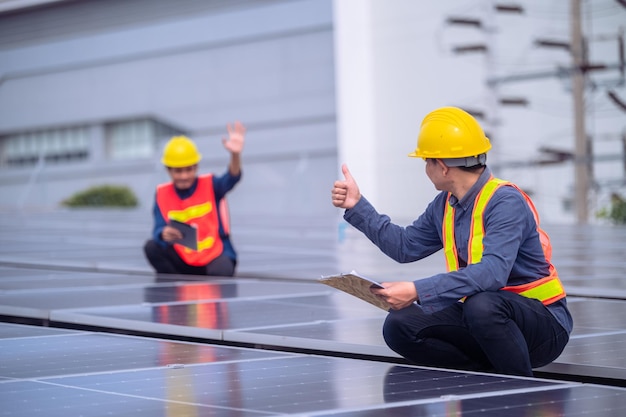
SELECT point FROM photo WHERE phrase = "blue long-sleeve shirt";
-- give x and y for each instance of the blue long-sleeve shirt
(221, 186)
(512, 249)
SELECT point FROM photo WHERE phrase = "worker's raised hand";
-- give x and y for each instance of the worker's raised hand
(345, 194)
(236, 135)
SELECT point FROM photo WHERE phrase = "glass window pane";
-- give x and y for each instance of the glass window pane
(132, 139)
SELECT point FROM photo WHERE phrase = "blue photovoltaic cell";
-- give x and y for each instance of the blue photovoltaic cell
(9, 331)
(226, 314)
(92, 374)
(570, 401)
(96, 352)
(31, 398)
(295, 384)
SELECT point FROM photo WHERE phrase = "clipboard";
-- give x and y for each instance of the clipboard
(189, 232)
(358, 286)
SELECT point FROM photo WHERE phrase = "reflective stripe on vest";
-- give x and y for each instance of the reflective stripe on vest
(547, 290)
(192, 212)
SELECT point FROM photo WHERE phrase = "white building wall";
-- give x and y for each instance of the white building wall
(408, 45)
(410, 75)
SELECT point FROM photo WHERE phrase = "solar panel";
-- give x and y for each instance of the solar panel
(94, 281)
(90, 374)
(86, 352)
(569, 401)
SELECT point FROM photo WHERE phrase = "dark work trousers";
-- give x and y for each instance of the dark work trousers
(497, 331)
(165, 260)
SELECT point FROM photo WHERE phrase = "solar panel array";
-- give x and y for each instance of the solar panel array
(90, 330)
(60, 373)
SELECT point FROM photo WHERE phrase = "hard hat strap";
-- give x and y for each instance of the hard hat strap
(469, 161)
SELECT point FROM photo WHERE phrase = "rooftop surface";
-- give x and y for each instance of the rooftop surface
(88, 329)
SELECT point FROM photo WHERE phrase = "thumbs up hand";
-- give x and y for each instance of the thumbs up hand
(345, 194)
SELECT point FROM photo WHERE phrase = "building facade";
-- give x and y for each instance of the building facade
(90, 91)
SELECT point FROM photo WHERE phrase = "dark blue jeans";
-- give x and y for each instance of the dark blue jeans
(165, 260)
(498, 332)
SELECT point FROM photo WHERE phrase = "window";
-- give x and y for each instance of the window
(136, 138)
(54, 145)
(123, 140)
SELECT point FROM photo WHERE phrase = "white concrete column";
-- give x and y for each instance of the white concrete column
(388, 76)
(354, 75)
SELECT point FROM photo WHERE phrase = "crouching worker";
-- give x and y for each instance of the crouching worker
(500, 307)
(199, 201)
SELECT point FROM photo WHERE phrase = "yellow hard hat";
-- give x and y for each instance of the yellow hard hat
(179, 152)
(453, 134)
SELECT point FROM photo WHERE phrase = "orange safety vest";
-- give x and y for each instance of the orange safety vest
(198, 210)
(547, 289)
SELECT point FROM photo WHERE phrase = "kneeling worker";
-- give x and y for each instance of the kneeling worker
(500, 306)
(197, 200)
